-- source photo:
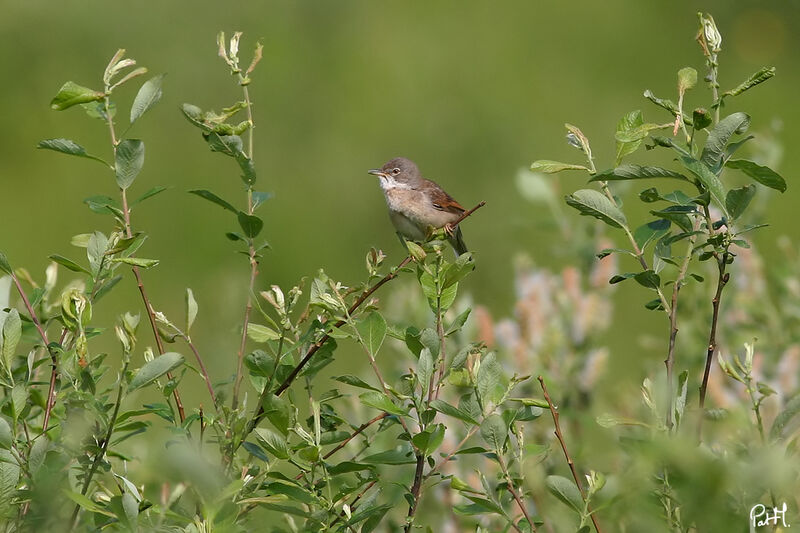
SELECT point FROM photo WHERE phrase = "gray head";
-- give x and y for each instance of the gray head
(398, 170)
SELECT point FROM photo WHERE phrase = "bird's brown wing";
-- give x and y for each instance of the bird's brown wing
(443, 201)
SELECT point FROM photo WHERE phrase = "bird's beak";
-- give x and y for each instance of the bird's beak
(376, 172)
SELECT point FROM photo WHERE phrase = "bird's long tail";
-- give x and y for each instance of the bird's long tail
(457, 240)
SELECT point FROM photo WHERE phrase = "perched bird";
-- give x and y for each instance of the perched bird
(417, 206)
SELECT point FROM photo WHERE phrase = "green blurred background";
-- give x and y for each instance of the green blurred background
(472, 91)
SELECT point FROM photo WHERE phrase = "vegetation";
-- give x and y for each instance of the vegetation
(482, 420)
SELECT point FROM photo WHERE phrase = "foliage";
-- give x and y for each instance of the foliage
(442, 412)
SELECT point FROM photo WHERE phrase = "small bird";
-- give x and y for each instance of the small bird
(417, 206)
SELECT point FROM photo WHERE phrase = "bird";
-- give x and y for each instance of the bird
(418, 206)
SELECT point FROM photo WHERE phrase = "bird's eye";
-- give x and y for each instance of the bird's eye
(395, 171)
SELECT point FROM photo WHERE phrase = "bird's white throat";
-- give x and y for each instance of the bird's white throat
(388, 183)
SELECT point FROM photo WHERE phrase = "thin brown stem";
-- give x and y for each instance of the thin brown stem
(126, 212)
(54, 361)
(248, 308)
(669, 362)
(449, 456)
(722, 280)
(510, 487)
(355, 501)
(356, 433)
(436, 377)
(203, 370)
(570, 463)
(104, 445)
(253, 259)
(416, 489)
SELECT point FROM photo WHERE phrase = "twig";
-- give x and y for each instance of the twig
(722, 264)
(669, 362)
(103, 446)
(203, 370)
(43, 334)
(252, 254)
(560, 437)
(510, 487)
(247, 310)
(415, 491)
(449, 456)
(126, 212)
(357, 432)
(355, 500)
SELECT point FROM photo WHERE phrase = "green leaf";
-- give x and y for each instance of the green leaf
(566, 491)
(447, 409)
(687, 79)
(653, 230)
(86, 503)
(372, 331)
(490, 373)
(678, 215)
(154, 369)
(279, 412)
(638, 133)
(380, 401)
(669, 143)
(68, 263)
(648, 279)
(425, 369)
(260, 333)
(260, 197)
(763, 175)
(759, 77)
(737, 200)
(719, 136)
(273, 443)
(458, 322)
(5, 266)
(494, 431)
(69, 147)
(230, 145)
(6, 437)
(428, 440)
(152, 192)
(12, 332)
(636, 172)
(211, 197)
(250, 224)
(709, 180)
(248, 169)
(627, 123)
(391, 457)
(594, 203)
(129, 161)
(354, 381)
(136, 261)
(618, 278)
(71, 94)
(667, 104)
(463, 265)
(191, 309)
(532, 402)
(778, 430)
(552, 167)
(148, 96)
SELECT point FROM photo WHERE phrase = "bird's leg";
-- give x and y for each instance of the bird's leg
(449, 229)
